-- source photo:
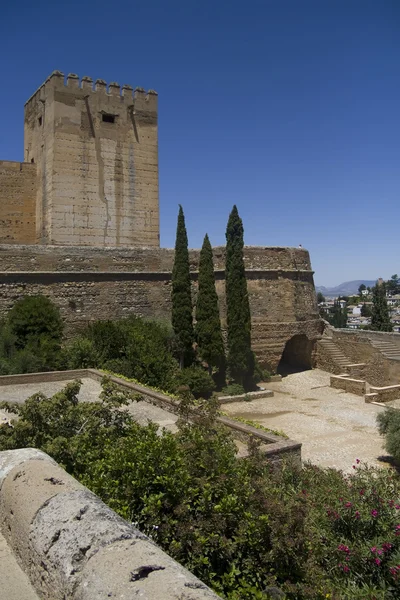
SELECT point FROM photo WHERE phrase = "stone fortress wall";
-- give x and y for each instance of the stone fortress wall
(79, 222)
(108, 283)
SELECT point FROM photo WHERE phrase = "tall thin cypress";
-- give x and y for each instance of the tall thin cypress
(380, 318)
(208, 325)
(240, 356)
(182, 318)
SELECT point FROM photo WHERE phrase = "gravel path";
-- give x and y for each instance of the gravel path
(334, 427)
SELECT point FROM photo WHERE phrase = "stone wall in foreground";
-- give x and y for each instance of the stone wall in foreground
(109, 283)
(71, 545)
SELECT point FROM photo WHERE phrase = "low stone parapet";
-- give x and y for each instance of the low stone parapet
(71, 545)
(387, 393)
(246, 397)
(348, 384)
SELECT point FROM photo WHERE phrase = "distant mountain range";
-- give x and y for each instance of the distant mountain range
(348, 288)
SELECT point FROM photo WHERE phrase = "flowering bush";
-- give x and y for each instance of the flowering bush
(356, 520)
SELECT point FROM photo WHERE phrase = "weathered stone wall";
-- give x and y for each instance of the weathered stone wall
(386, 393)
(71, 545)
(17, 202)
(379, 370)
(98, 283)
(346, 383)
(325, 361)
(96, 152)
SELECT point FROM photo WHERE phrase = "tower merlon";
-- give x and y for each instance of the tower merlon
(114, 89)
(145, 102)
(100, 86)
(72, 80)
(87, 83)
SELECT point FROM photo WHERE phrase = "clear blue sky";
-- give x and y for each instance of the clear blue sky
(288, 108)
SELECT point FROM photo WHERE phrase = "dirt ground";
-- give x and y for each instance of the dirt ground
(334, 427)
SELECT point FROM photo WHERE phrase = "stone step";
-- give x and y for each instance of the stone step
(336, 354)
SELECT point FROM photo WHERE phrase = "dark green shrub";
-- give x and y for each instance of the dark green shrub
(389, 426)
(200, 383)
(26, 361)
(233, 389)
(80, 353)
(35, 318)
(131, 347)
(108, 339)
(260, 373)
(31, 336)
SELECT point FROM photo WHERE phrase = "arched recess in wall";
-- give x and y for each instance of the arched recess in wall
(297, 355)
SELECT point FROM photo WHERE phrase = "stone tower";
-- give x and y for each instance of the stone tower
(96, 154)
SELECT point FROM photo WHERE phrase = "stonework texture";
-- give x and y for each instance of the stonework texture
(71, 545)
(17, 202)
(349, 385)
(90, 176)
(109, 283)
(379, 370)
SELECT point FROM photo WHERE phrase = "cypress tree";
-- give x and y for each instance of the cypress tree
(182, 318)
(208, 326)
(240, 356)
(380, 318)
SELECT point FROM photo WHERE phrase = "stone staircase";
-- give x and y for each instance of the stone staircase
(388, 349)
(336, 354)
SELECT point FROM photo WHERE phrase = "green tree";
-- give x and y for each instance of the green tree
(380, 318)
(365, 311)
(361, 288)
(182, 317)
(33, 318)
(208, 325)
(241, 360)
(320, 297)
(393, 285)
(338, 316)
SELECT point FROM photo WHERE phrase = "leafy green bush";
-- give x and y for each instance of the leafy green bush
(35, 319)
(80, 354)
(131, 347)
(200, 383)
(389, 426)
(260, 373)
(233, 389)
(30, 337)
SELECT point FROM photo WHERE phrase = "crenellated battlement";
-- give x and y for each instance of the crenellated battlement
(126, 93)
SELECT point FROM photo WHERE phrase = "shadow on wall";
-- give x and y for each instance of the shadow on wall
(297, 355)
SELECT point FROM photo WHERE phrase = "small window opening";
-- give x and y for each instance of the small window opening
(32, 160)
(40, 121)
(108, 118)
